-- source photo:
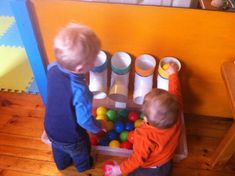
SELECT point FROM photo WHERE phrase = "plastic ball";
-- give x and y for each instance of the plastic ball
(138, 123)
(126, 145)
(104, 141)
(142, 116)
(101, 110)
(93, 139)
(94, 112)
(114, 144)
(118, 126)
(130, 137)
(111, 115)
(101, 117)
(123, 135)
(100, 134)
(104, 167)
(129, 126)
(133, 116)
(165, 66)
(112, 135)
(123, 113)
(109, 125)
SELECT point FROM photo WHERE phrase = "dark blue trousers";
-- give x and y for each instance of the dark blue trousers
(78, 153)
(163, 170)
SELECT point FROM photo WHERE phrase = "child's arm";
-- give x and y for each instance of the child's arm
(174, 83)
(141, 151)
(83, 109)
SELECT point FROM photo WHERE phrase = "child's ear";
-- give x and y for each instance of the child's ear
(79, 69)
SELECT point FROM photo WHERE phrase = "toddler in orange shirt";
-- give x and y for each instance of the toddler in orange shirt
(156, 139)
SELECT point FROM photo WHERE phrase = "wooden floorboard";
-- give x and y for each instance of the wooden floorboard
(23, 154)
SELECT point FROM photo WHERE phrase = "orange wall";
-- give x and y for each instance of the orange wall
(202, 40)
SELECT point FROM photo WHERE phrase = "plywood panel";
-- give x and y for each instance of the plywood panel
(202, 40)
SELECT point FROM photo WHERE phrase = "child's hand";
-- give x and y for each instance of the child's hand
(172, 68)
(100, 134)
(113, 170)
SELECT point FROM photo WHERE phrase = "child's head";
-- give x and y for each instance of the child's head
(76, 47)
(160, 108)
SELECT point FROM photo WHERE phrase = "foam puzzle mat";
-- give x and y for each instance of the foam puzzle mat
(5, 8)
(11, 37)
(5, 23)
(15, 71)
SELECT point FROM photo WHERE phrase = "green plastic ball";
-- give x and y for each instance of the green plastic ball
(142, 116)
(123, 113)
(111, 115)
(123, 135)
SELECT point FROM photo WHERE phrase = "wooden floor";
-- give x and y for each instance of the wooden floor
(23, 154)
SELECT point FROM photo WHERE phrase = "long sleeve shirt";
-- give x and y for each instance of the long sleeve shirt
(69, 106)
(153, 146)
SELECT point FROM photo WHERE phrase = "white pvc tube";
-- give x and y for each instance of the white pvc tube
(142, 86)
(144, 68)
(162, 78)
(162, 83)
(120, 63)
(119, 87)
(98, 77)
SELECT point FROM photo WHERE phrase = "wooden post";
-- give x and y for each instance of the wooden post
(226, 148)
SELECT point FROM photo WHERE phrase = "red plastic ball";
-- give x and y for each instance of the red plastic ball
(93, 139)
(94, 112)
(126, 145)
(133, 116)
(130, 137)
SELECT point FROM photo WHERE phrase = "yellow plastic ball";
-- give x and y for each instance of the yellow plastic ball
(114, 144)
(109, 125)
(101, 110)
(101, 117)
(165, 66)
(137, 123)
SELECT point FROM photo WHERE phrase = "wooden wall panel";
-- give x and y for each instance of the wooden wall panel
(202, 40)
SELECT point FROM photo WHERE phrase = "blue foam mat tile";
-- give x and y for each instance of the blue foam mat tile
(12, 37)
(5, 8)
(33, 88)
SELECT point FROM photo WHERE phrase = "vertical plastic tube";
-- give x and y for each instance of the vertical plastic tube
(98, 77)
(162, 78)
(144, 69)
(120, 63)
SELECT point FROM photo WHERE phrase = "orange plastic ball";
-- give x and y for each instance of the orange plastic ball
(109, 125)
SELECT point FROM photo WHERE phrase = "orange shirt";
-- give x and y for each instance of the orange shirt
(154, 146)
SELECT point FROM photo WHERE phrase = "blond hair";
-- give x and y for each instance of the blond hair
(160, 108)
(75, 45)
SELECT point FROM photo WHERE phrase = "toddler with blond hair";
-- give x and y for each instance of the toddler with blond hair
(68, 114)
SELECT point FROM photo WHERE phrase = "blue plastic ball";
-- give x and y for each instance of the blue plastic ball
(104, 141)
(129, 126)
(112, 135)
(119, 126)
